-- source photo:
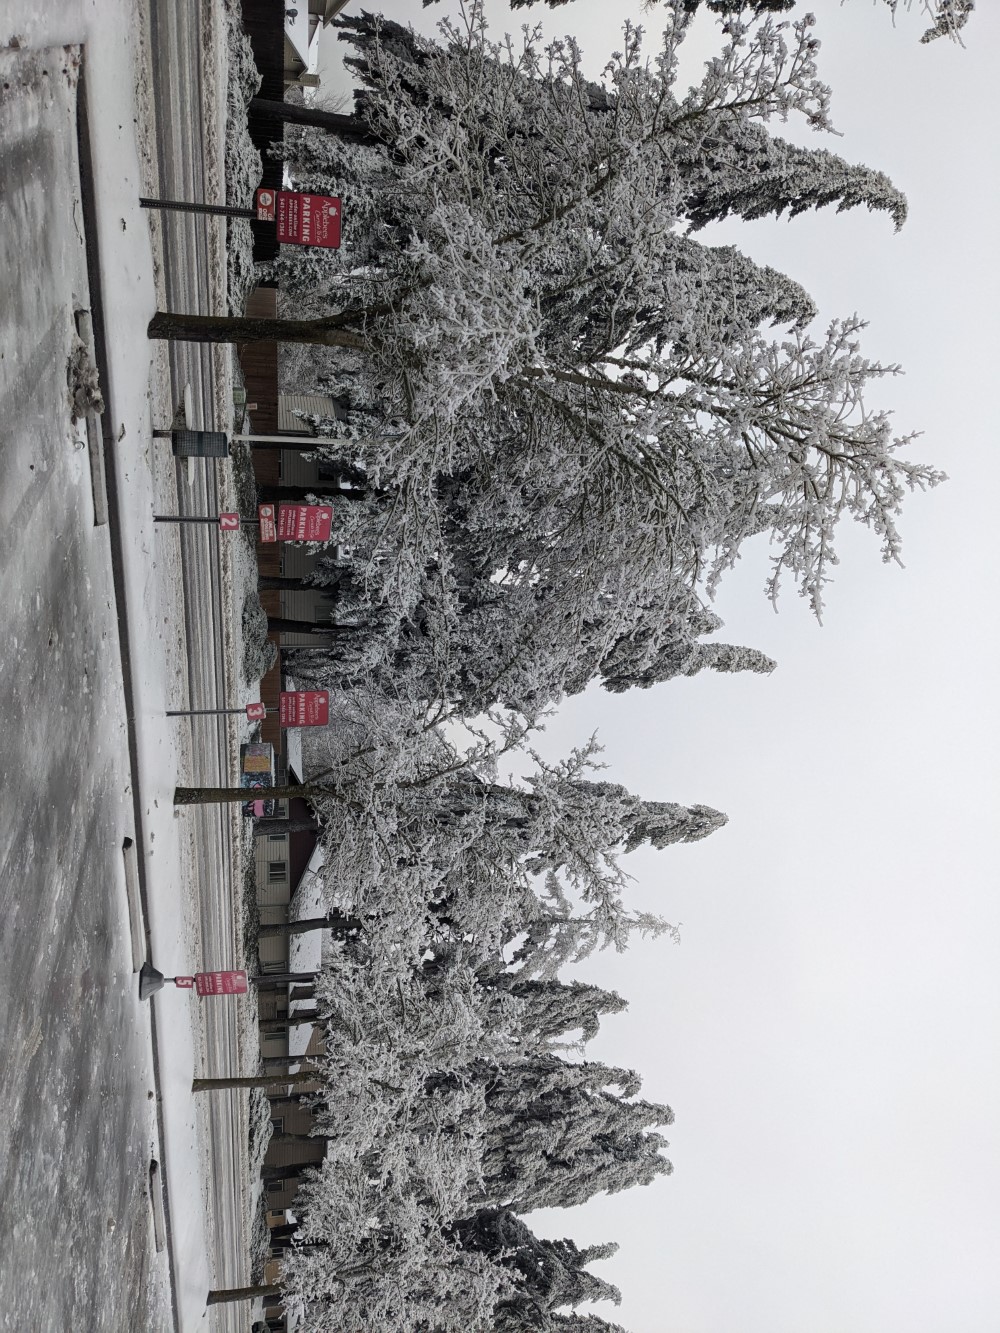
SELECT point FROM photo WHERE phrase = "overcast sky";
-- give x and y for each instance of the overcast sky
(828, 1030)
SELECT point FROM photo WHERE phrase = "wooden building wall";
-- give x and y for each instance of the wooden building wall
(259, 365)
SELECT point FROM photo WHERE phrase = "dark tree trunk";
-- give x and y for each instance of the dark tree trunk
(277, 583)
(284, 1231)
(234, 795)
(223, 1295)
(345, 127)
(301, 1138)
(243, 329)
(273, 1061)
(253, 1081)
(279, 625)
(276, 494)
(297, 444)
(283, 1024)
(287, 1243)
(335, 921)
(263, 828)
(292, 1171)
(292, 1021)
(272, 980)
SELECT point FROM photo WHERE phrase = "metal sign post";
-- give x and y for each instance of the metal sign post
(299, 218)
(254, 712)
(227, 522)
(212, 210)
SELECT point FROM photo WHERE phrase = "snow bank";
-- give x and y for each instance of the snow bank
(243, 161)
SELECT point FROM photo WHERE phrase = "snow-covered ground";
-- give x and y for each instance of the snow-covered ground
(243, 161)
(78, 706)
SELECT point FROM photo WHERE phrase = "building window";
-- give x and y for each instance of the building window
(277, 837)
(277, 872)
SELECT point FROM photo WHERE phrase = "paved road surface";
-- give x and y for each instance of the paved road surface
(177, 43)
(79, 1130)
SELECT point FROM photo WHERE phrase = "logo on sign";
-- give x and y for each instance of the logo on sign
(265, 205)
(265, 517)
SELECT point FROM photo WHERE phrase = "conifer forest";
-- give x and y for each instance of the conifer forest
(561, 415)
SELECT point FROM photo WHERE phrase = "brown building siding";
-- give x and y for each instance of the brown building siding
(270, 687)
(259, 364)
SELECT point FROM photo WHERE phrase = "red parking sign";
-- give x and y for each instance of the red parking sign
(308, 219)
(221, 983)
(304, 523)
(302, 219)
(304, 708)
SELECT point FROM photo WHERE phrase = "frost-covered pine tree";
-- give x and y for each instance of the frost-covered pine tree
(552, 1012)
(948, 17)
(556, 1133)
(536, 300)
(536, 866)
(549, 1275)
(583, 413)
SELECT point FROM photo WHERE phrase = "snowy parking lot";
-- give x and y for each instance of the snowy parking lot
(97, 650)
(74, 1055)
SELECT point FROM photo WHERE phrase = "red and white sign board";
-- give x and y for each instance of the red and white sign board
(303, 219)
(229, 522)
(265, 516)
(256, 712)
(215, 983)
(304, 708)
(308, 219)
(304, 523)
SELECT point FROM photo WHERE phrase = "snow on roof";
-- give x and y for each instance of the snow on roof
(312, 64)
(305, 951)
(297, 28)
(293, 751)
(299, 1038)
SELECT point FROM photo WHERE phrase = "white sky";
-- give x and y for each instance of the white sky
(827, 1032)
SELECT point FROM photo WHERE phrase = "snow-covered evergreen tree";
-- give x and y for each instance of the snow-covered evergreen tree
(556, 1134)
(549, 1275)
(948, 17)
(560, 319)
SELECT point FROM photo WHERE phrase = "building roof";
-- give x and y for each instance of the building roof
(305, 952)
(297, 28)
